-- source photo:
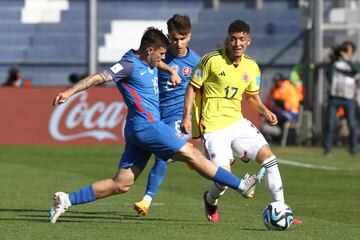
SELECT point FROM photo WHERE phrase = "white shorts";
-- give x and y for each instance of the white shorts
(242, 137)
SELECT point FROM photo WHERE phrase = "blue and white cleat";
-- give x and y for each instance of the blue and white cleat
(60, 205)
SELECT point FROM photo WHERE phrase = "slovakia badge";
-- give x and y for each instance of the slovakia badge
(187, 71)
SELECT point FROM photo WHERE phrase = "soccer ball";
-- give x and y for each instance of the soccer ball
(277, 216)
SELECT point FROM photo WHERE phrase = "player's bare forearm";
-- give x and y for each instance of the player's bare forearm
(256, 103)
(189, 101)
(188, 104)
(91, 80)
(82, 85)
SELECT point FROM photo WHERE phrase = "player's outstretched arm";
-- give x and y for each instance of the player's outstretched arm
(256, 103)
(83, 84)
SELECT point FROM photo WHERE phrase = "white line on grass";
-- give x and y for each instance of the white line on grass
(307, 165)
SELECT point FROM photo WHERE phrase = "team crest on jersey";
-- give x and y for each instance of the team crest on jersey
(245, 77)
(186, 71)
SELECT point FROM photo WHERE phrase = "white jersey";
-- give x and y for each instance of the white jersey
(342, 85)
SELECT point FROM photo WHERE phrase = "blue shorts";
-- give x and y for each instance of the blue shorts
(144, 139)
(174, 122)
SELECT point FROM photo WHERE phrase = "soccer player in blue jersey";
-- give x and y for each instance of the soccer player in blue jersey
(136, 77)
(183, 60)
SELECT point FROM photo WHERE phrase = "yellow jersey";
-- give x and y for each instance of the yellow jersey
(221, 85)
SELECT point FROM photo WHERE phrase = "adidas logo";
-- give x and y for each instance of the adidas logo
(222, 73)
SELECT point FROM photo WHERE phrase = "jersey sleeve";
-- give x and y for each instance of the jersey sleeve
(254, 86)
(200, 74)
(121, 70)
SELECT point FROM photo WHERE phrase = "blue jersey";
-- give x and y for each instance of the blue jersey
(172, 99)
(138, 84)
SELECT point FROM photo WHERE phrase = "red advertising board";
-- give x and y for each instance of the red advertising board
(96, 116)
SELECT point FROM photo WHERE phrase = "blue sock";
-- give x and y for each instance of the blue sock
(226, 178)
(156, 176)
(83, 195)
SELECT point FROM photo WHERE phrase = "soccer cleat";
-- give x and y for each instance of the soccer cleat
(250, 182)
(211, 211)
(251, 191)
(141, 207)
(60, 205)
(260, 176)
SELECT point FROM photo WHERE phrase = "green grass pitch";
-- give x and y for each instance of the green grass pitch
(323, 192)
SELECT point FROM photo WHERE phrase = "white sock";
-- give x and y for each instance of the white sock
(273, 179)
(215, 192)
(147, 199)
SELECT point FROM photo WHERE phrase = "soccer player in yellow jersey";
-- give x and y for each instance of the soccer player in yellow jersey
(217, 86)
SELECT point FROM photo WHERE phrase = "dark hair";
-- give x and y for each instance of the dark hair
(12, 76)
(179, 23)
(347, 43)
(75, 77)
(279, 77)
(155, 38)
(238, 26)
(338, 50)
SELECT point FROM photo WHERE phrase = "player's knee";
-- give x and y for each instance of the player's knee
(263, 154)
(121, 187)
(194, 155)
(186, 153)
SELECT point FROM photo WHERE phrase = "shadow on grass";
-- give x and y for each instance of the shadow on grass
(41, 215)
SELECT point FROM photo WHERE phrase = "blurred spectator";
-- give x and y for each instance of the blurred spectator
(343, 77)
(14, 79)
(283, 100)
(350, 48)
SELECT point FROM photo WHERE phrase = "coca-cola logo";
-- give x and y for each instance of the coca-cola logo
(77, 119)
